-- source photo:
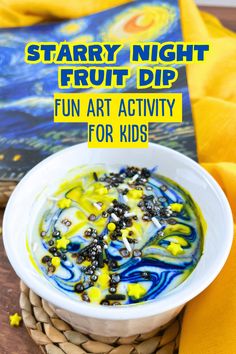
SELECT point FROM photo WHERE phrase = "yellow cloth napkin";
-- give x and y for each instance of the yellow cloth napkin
(14, 13)
(209, 324)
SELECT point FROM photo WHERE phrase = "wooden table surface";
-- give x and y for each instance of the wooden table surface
(12, 340)
(17, 340)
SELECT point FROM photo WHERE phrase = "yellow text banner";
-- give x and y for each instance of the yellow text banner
(129, 108)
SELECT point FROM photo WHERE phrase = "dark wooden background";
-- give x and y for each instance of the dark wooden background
(17, 340)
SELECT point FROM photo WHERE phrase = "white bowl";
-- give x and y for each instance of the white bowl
(120, 320)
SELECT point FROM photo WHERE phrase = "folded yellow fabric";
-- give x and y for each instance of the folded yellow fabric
(209, 323)
(15, 13)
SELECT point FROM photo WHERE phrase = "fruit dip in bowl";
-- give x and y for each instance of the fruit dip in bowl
(117, 241)
(117, 236)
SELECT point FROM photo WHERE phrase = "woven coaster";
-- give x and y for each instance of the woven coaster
(55, 336)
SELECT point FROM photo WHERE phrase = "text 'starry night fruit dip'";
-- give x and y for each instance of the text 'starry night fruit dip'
(118, 238)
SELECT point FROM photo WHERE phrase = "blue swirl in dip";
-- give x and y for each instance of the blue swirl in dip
(118, 238)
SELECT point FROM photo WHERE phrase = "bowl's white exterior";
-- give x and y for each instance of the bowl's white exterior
(120, 320)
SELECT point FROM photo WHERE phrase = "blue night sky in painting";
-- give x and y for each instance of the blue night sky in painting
(26, 91)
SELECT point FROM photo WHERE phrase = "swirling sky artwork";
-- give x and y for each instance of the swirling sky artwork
(27, 131)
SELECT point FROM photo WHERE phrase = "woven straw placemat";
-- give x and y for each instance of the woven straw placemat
(55, 336)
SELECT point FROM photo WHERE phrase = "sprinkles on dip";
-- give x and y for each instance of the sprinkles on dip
(118, 237)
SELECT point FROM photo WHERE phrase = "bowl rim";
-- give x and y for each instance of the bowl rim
(126, 312)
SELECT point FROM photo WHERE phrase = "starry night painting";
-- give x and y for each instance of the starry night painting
(27, 131)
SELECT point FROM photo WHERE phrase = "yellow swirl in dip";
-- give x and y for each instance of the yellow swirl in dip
(116, 238)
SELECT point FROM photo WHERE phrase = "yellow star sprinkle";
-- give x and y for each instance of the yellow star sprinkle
(63, 243)
(103, 280)
(15, 320)
(175, 249)
(86, 263)
(111, 226)
(56, 261)
(136, 291)
(176, 207)
(135, 193)
(64, 203)
(94, 294)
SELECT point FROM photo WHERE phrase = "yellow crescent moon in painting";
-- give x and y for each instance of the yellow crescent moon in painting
(138, 23)
(142, 23)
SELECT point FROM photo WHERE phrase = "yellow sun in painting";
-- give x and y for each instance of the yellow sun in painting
(72, 27)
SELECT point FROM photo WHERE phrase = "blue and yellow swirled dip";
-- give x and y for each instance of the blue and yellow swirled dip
(117, 238)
